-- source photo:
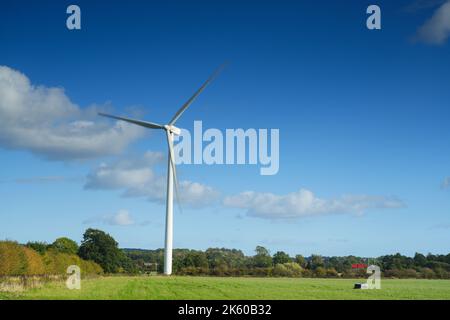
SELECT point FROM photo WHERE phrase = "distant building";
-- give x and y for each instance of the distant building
(150, 267)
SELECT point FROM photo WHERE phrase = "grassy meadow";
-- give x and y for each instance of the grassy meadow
(184, 287)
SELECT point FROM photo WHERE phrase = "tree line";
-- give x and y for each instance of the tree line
(233, 262)
(25, 260)
(99, 253)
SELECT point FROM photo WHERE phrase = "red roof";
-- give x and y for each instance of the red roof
(359, 266)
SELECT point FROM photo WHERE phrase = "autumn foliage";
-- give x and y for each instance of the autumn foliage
(18, 260)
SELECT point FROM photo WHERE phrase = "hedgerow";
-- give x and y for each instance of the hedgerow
(18, 260)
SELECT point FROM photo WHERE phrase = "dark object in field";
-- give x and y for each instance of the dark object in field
(361, 286)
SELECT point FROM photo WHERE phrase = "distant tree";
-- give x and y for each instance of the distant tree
(335, 263)
(420, 260)
(300, 260)
(281, 257)
(216, 258)
(316, 261)
(65, 245)
(194, 258)
(431, 257)
(127, 265)
(40, 247)
(262, 251)
(221, 257)
(100, 247)
(262, 259)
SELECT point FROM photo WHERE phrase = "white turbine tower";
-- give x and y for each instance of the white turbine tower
(171, 130)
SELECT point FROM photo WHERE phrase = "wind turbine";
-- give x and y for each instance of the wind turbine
(170, 130)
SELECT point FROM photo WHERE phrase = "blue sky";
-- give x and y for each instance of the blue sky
(363, 118)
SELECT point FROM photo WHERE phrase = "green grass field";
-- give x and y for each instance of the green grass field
(235, 288)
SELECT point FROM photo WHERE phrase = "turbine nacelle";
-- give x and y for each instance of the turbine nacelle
(172, 129)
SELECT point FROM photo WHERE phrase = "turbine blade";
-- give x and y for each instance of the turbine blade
(174, 170)
(196, 94)
(146, 124)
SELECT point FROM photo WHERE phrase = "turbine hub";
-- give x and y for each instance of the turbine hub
(173, 129)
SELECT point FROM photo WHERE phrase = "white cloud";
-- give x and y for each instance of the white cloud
(137, 178)
(446, 183)
(44, 121)
(304, 203)
(120, 218)
(436, 30)
(197, 194)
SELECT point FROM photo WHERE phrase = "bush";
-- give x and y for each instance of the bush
(90, 268)
(355, 273)
(57, 263)
(320, 272)
(260, 272)
(19, 260)
(393, 273)
(221, 270)
(35, 264)
(440, 273)
(427, 273)
(13, 261)
(294, 268)
(410, 273)
(280, 270)
(331, 273)
(193, 271)
(289, 269)
(306, 273)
